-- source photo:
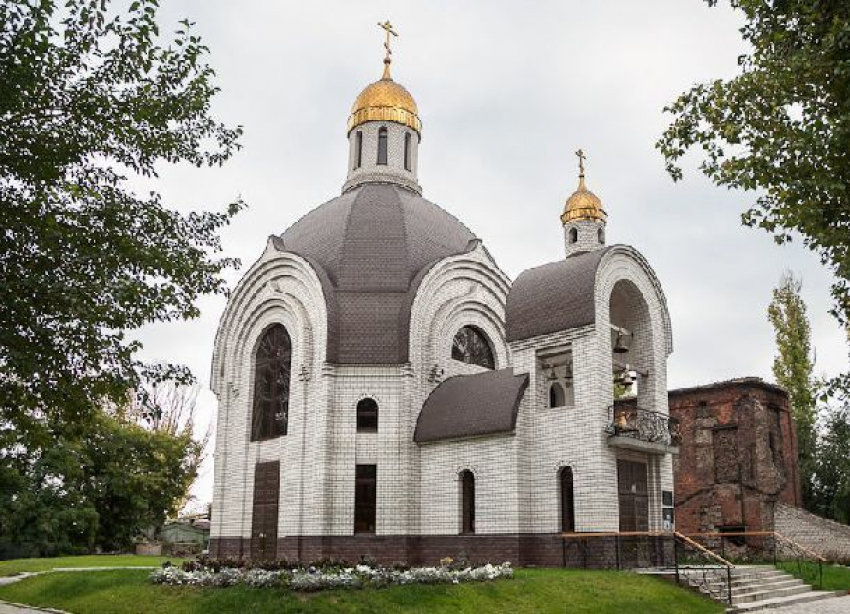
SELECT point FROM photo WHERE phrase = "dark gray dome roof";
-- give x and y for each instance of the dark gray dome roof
(371, 247)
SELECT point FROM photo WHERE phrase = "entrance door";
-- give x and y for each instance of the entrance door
(264, 525)
(634, 501)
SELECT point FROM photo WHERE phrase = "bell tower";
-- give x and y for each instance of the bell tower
(583, 218)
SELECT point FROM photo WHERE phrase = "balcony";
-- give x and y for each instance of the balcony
(643, 430)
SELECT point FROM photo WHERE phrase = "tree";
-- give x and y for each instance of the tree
(781, 128)
(88, 99)
(97, 484)
(792, 368)
(91, 98)
(832, 471)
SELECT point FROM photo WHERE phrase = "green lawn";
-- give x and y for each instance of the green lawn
(835, 577)
(532, 591)
(10, 568)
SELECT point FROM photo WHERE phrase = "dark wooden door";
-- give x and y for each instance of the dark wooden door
(634, 500)
(264, 525)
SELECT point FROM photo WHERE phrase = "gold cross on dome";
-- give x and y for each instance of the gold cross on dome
(388, 28)
(581, 158)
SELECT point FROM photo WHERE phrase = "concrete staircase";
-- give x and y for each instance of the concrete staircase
(755, 587)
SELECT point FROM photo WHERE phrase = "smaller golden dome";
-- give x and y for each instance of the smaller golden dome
(385, 100)
(583, 204)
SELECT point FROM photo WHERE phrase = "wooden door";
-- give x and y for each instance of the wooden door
(264, 525)
(633, 496)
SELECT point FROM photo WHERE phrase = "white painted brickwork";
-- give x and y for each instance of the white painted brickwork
(393, 171)
(418, 490)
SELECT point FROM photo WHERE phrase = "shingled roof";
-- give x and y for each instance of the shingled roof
(370, 248)
(553, 297)
(471, 405)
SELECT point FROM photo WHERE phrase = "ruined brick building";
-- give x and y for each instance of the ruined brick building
(738, 458)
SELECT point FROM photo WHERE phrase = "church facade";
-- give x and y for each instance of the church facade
(386, 391)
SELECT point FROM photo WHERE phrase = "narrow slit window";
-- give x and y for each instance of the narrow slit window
(407, 151)
(467, 485)
(573, 235)
(365, 498)
(568, 518)
(382, 145)
(358, 149)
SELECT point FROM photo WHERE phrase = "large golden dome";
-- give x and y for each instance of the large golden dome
(385, 100)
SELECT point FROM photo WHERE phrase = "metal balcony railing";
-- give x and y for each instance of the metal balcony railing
(644, 425)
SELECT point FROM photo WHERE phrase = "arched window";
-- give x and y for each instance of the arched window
(407, 151)
(367, 416)
(382, 145)
(472, 347)
(467, 495)
(271, 384)
(568, 518)
(601, 235)
(573, 235)
(358, 149)
(557, 395)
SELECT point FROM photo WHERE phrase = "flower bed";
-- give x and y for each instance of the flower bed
(317, 579)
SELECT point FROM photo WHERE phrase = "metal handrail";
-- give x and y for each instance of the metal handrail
(705, 584)
(799, 553)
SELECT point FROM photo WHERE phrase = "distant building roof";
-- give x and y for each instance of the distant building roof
(749, 381)
(471, 405)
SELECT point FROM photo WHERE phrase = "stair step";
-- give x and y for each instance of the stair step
(776, 602)
(763, 595)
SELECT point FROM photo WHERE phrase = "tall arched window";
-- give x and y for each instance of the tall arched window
(358, 149)
(471, 346)
(271, 384)
(557, 395)
(382, 145)
(467, 495)
(407, 151)
(367, 416)
(601, 235)
(573, 235)
(568, 518)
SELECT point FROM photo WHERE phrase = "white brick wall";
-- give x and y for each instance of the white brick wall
(418, 491)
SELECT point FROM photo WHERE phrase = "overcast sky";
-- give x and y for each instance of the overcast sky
(507, 91)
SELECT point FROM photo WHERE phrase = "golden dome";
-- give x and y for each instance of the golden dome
(583, 204)
(385, 100)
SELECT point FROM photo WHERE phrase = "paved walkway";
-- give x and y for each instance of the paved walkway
(838, 605)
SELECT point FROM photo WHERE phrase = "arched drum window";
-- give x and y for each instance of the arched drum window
(271, 384)
(472, 347)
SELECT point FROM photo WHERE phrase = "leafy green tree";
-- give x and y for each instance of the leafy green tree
(832, 469)
(781, 128)
(90, 98)
(792, 368)
(136, 478)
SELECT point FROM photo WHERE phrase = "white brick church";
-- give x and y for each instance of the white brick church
(385, 390)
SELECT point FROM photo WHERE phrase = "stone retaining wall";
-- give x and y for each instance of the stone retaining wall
(829, 539)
